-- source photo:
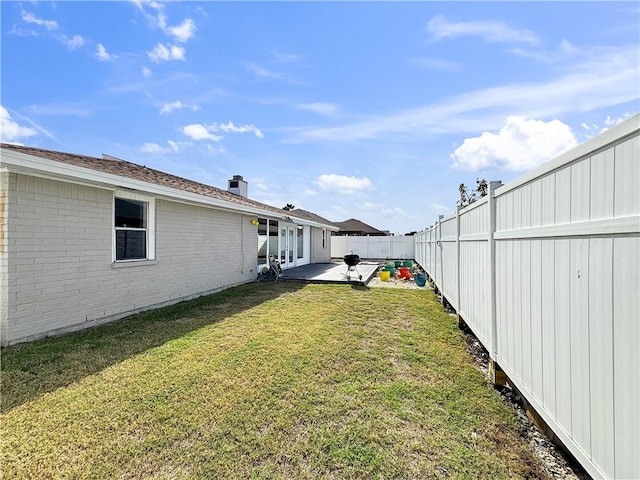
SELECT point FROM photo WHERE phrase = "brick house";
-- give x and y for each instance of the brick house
(87, 240)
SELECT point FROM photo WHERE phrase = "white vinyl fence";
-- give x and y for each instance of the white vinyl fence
(546, 273)
(374, 247)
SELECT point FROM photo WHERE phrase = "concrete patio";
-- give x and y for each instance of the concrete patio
(335, 272)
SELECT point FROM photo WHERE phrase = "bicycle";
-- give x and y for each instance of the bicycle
(271, 273)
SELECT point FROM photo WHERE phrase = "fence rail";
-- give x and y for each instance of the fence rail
(546, 273)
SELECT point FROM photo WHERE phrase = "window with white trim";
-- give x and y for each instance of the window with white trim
(133, 233)
(300, 241)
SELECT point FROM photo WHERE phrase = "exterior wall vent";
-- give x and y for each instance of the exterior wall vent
(238, 186)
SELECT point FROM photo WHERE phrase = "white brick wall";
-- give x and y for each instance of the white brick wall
(4, 267)
(58, 258)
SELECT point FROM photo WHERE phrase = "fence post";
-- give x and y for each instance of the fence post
(496, 375)
(458, 289)
(439, 252)
(432, 253)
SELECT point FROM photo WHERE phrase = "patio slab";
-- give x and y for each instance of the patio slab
(330, 273)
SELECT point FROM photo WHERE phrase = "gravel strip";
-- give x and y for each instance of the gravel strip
(375, 282)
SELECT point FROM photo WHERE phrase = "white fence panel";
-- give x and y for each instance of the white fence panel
(546, 272)
(449, 260)
(626, 358)
(474, 275)
(373, 247)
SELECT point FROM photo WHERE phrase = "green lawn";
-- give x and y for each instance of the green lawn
(261, 381)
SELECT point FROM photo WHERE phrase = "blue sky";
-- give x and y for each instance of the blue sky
(368, 110)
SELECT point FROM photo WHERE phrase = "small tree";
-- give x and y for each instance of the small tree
(289, 207)
(466, 198)
(482, 188)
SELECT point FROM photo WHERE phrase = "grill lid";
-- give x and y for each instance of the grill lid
(352, 259)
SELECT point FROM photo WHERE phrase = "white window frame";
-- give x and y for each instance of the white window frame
(151, 225)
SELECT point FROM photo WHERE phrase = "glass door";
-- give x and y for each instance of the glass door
(287, 245)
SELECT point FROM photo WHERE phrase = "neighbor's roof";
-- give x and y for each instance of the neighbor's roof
(355, 225)
(134, 171)
(300, 213)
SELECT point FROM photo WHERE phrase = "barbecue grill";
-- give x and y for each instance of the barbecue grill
(352, 260)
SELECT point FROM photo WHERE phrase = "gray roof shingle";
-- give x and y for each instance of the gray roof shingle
(140, 172)
(358, 226)
(305, 214)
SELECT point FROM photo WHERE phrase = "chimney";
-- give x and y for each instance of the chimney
(238, 186)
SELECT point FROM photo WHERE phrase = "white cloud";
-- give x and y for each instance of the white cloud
(146, 71)
(197, 131)
(152, 148)
(324, 109)
(231, 128)
(490, 31)
(438, 208)
(141, 3)
(31, 18)
(162, 53)
(594, 129)
(10, 131)
(611, 122)
(563, 53)
(342, 183)
(520, 145)
(182, 32)
(215, 150)
(262, 72)
(59, 110)
(73, 42)
(581, 88)
(22, 32)
(103, 55)
(393, 211)
(201, 132)
(568, 48)
(177, 105)
(173, 147)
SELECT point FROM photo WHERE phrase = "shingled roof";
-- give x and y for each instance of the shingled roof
(300, 213)
(134, 171)
(352, 226)
(357, 227)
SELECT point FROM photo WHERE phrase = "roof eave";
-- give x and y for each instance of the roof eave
(302, 221)
(19, 162)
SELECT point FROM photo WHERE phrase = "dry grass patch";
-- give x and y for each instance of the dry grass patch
(261, 381)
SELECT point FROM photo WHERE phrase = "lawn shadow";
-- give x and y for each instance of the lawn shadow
(30, 370)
